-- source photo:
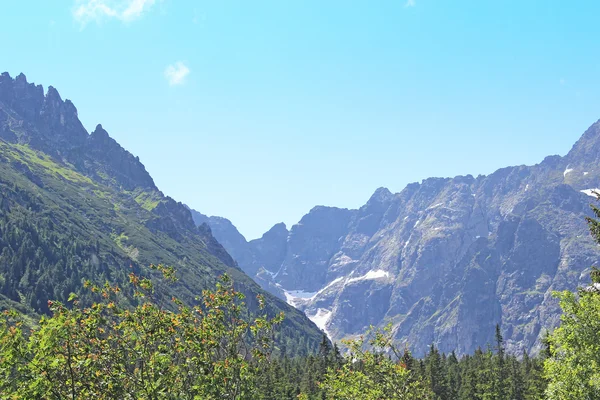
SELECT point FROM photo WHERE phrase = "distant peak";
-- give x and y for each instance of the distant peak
(587, 148)
(53, 94)
(381, 194)
(21, 78)
(276, 230)
(221, 220)
(100, 132)
(322, 209)
(278, 227)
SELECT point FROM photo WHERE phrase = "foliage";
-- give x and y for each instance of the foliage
(211, 351)
(377, 373)
(573, 370)
(218, 350)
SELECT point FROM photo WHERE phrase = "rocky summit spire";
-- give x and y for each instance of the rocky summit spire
(26, 98)
(50, 124)
(120, 165)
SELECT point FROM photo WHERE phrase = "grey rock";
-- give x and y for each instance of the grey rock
(444, 260)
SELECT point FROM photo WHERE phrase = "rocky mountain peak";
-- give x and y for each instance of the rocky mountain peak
(50, 124)
(114, 160)
(276, 230)
(26, 98)
(381, 196)
(447, 259)
(587, 148)
(53, 97)
(100, 132)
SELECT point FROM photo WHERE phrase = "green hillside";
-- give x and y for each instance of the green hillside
(90, 211)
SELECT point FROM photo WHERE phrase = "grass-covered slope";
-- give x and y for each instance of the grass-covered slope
(75, 206)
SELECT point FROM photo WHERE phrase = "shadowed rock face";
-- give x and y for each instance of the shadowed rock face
(444, 260)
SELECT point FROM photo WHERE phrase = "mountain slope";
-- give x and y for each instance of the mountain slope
(444, 260)
(75, 206)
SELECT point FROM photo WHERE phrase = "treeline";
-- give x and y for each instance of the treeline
(487, 374)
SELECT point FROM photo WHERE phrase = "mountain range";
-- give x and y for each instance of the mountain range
(76, 206)
(443, 261)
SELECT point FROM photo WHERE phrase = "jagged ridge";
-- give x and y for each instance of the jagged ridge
(446, 259)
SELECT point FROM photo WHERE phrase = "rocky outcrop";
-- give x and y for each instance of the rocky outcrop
(51, 125)
(103, 156)
(447, 259)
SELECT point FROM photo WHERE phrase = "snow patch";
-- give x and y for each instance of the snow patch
(567, 170)
(375, 274)
(272, 274)
(416, 224)
(585, 173)
(330, 284)
(435, 206)
(321, 318)
(590, 192)
(292, 296)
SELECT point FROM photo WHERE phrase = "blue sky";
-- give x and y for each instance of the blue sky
(259, 110)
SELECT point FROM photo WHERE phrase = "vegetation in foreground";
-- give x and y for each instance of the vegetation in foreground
(218, 351)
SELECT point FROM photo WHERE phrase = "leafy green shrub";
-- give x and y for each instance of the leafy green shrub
(211, 351)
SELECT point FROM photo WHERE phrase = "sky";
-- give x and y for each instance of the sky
(259, 110)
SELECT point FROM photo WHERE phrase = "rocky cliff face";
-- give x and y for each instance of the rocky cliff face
(444, 260)
(49, 124)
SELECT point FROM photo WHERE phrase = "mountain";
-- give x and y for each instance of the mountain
(77, 206)
(444, 260)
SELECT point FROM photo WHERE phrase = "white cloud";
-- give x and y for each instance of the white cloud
(410, 3)
(86, 11)
(176, 73)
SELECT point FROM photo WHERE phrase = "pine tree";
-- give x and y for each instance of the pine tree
(500, 372)
(434, 368)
